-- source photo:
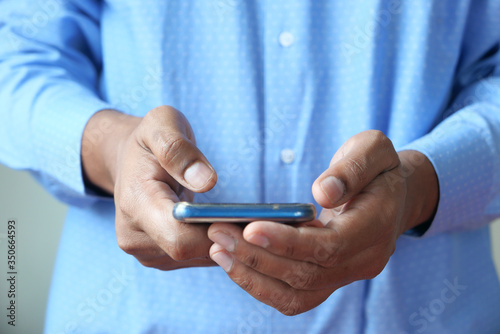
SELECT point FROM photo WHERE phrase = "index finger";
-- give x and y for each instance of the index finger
(144, 203)
(179, 240)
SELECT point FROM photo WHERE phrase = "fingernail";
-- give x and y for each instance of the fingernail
(224, 240)
(198, 174)
(333, 188)
(224, 260)
(258, 240)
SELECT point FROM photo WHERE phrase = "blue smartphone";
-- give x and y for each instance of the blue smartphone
(243, 213)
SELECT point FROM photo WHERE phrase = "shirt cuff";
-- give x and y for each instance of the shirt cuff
(462, 151)
(58, 134)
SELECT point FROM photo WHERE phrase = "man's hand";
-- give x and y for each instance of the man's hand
(148, 164)
(370, 195)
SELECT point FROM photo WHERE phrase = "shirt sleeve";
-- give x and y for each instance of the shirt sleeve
(465, 149)
(49, 72)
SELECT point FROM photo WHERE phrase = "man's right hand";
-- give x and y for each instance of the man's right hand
(148, 164)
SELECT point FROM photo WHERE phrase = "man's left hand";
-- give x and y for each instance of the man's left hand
(370, 195)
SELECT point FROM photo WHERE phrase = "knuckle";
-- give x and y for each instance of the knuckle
(161, 111)
(179, 250)
(381, 141)
(152, 117)
(330, 260)
(246, 284)
(149, 263)
(302, 280)
(379, 138)
(327, 252)
(357, 169)
(178, 254)
(292, 307)
(171, 146)
(289, 251)
(127, 245)
(123, 207)
(124, 245)
(124, 236)
(121, 202)
(252, 260)
(127, 200)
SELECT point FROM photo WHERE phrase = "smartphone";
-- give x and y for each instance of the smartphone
(243, 213)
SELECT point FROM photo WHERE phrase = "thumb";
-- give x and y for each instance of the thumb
(168, 135)
(360, 160)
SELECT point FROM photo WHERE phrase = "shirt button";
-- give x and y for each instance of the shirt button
(287, 156)
(286, 39)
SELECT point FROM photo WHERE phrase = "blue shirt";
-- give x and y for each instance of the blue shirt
(271, 89)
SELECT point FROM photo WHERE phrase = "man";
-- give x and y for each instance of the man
(389, 110)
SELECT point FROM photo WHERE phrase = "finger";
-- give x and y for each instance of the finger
(179, 240)
(365, 220)
(297, 274)
(302, 275)
(138, 243)
(147, 252)
(269, 290)
(322, 246)
(229, 236)
(146, 206)
(356, 164)
(166, 132)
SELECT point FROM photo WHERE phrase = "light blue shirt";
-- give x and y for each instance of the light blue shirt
(271, 89)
